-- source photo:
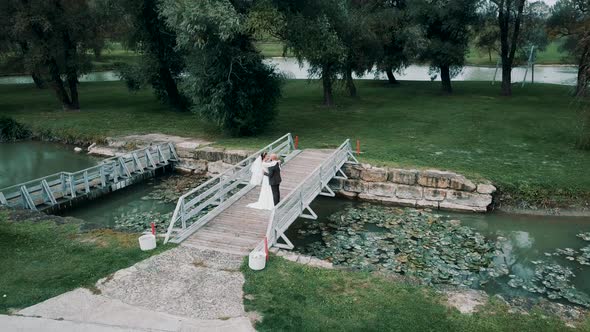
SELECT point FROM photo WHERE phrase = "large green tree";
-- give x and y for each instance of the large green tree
(310, 30)
(227, 80)
(400, 37)
(570, 20)
(161, 63)
(510, 17)
(362, 44)
(533, 30)
(447, 29)
(52, 37)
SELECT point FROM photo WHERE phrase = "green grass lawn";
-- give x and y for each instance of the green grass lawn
(525, 143)
(550, 56)
(292, 297)
(41, 259)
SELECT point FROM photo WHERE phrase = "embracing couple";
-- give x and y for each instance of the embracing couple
(266, 172)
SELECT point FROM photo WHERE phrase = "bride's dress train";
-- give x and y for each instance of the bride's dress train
(265, 200)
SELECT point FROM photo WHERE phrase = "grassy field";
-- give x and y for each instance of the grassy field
(292, 297)
(525, 143)
(41, 259)
(550, 56)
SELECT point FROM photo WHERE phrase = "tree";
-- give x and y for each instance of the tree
(227, 79)
(446, 24)
(52, 37)
(161, 64)
(310, 31)
(400, 37)
(362, 44)
(570, 20)
(510, 15)
(532, 30)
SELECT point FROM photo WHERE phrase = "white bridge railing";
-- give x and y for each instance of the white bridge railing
(297, 202)
(198, 206)
(53, 189)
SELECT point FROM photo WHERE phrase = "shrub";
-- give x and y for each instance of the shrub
(11, 130)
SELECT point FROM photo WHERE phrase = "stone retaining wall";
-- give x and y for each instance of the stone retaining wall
(407, 187)
(209, 160)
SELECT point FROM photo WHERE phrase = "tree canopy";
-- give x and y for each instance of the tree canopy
(226, 79)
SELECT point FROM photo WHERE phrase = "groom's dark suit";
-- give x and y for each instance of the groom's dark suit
(274, 179)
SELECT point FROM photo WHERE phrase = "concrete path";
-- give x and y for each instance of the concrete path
(183, 289)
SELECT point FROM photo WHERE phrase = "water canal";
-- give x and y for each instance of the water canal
(528, 238)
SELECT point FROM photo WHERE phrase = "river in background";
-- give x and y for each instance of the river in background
(554, 74)
(529, 237)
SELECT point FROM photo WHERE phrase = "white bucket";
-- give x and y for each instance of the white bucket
(257, 260)
(147, 242)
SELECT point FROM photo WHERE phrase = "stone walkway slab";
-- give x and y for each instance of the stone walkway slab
(182, 289)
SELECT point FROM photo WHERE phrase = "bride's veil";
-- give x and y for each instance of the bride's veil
(256, 171)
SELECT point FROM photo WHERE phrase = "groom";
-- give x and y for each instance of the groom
(274, 178)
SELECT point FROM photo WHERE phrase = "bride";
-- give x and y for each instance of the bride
(259, 167)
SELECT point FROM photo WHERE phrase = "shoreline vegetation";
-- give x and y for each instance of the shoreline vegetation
(517, 143)
(115, 53)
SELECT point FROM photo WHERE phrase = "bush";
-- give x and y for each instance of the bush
(11, 130)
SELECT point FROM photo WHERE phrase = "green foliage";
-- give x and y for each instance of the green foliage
(161, 63)
(401, 38)
(227, 81)
(294, 297)
(52, 38)
(11, 130)
(570, 20)
(446, 24)
(41, 259)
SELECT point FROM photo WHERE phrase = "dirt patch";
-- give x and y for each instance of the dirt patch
(107, 238)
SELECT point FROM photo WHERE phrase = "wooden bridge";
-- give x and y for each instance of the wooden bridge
(215, 216)
(111, 174)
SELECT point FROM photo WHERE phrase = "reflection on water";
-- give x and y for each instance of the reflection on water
(528, 238)
(565, 75)
(24, 161)
(121, 204)
(103, 76)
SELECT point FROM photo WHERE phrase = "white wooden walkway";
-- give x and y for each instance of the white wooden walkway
(239, 229)
(215, 214)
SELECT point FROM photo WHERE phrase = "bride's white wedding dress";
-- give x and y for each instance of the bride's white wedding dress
(265, 200)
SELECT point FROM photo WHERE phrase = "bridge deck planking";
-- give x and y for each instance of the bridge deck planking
(239, 229)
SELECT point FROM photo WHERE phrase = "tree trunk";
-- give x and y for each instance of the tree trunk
(390, 77)
(327, 86)
(583, 72)
(445, 77)
(350, 83)
(39, 83)
(174, 96)
(506, 80)
(73, 85)
(490, 54)
(508, 47)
